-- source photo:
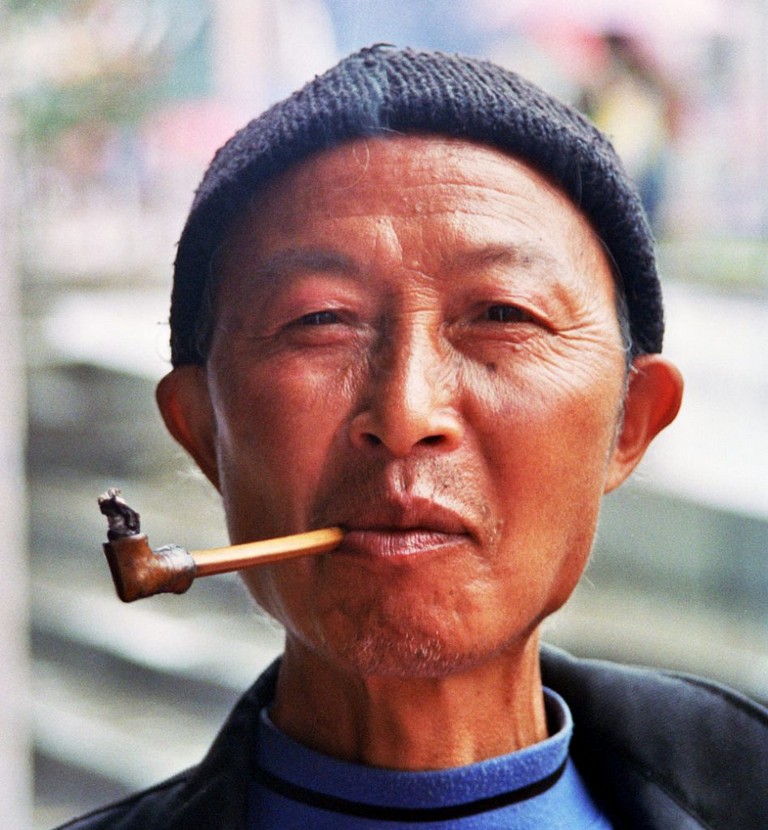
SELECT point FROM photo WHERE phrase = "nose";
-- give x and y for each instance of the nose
(410, 401)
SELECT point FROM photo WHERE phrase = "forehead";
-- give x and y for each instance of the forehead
(439, 197)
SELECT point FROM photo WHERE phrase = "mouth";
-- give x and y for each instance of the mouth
(403, 529)
(391, 542)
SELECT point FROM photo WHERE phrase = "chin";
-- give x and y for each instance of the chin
(407, 656)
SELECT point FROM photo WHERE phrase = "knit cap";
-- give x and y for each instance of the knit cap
(380, 90)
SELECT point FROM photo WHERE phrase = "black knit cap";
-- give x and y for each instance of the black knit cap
(381, 90)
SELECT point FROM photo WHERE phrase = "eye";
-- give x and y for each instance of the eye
(501, 313)
(318, 318)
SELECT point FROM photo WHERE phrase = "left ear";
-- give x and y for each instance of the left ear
(652, 402)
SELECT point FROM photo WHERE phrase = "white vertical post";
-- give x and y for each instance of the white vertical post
(15, 765)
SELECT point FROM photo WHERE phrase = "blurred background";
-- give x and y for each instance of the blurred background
(109, 112)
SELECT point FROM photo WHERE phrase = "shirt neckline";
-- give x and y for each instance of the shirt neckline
(294, 771)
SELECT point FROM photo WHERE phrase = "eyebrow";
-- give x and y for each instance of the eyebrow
(295, 260)
(504, 254)
(326, 260)
(281, 265)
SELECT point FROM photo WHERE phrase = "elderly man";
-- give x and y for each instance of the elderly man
(418, 300)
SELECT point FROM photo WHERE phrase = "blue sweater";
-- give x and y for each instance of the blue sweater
(536, 787)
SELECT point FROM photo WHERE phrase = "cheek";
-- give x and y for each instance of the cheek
(275, 435)
(548, 445)
(549, 422)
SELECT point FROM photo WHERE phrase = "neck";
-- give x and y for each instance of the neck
(414, 723)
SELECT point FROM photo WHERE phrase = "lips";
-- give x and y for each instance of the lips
(403, 528)
(388, 542)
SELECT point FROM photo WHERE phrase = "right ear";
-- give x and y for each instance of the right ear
(185, 404)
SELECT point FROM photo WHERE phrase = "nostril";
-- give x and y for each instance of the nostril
(373, 440)
(402, 432)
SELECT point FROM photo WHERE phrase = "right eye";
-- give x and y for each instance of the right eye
(318, 318)
(504, 313)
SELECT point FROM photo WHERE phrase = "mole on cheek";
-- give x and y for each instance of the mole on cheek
(491, 367)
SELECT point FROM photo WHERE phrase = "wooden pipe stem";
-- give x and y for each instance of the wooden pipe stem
(236, 557)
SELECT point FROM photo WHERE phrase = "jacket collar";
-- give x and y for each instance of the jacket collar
(659, 750)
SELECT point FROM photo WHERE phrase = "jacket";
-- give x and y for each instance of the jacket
(660, 751)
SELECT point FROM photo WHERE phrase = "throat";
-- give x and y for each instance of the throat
(412, 723)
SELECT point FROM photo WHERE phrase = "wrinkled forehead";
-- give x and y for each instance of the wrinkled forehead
(416, 177)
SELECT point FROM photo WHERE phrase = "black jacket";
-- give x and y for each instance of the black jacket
(660, 752)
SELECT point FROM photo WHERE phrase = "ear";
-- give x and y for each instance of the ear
(185, 404)
(652, 403)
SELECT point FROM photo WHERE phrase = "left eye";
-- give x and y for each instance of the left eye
(318, 318)
(506, 314)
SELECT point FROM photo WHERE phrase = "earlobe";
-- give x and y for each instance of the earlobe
(185, 404)
(651, 404)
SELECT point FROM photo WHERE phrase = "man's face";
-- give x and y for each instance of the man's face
(415, 339)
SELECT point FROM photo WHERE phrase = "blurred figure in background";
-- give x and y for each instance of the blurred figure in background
(631, 101)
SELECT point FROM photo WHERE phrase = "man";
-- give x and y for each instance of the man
(418, 300)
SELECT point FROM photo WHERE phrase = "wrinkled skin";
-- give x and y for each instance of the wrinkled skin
(416, 339)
